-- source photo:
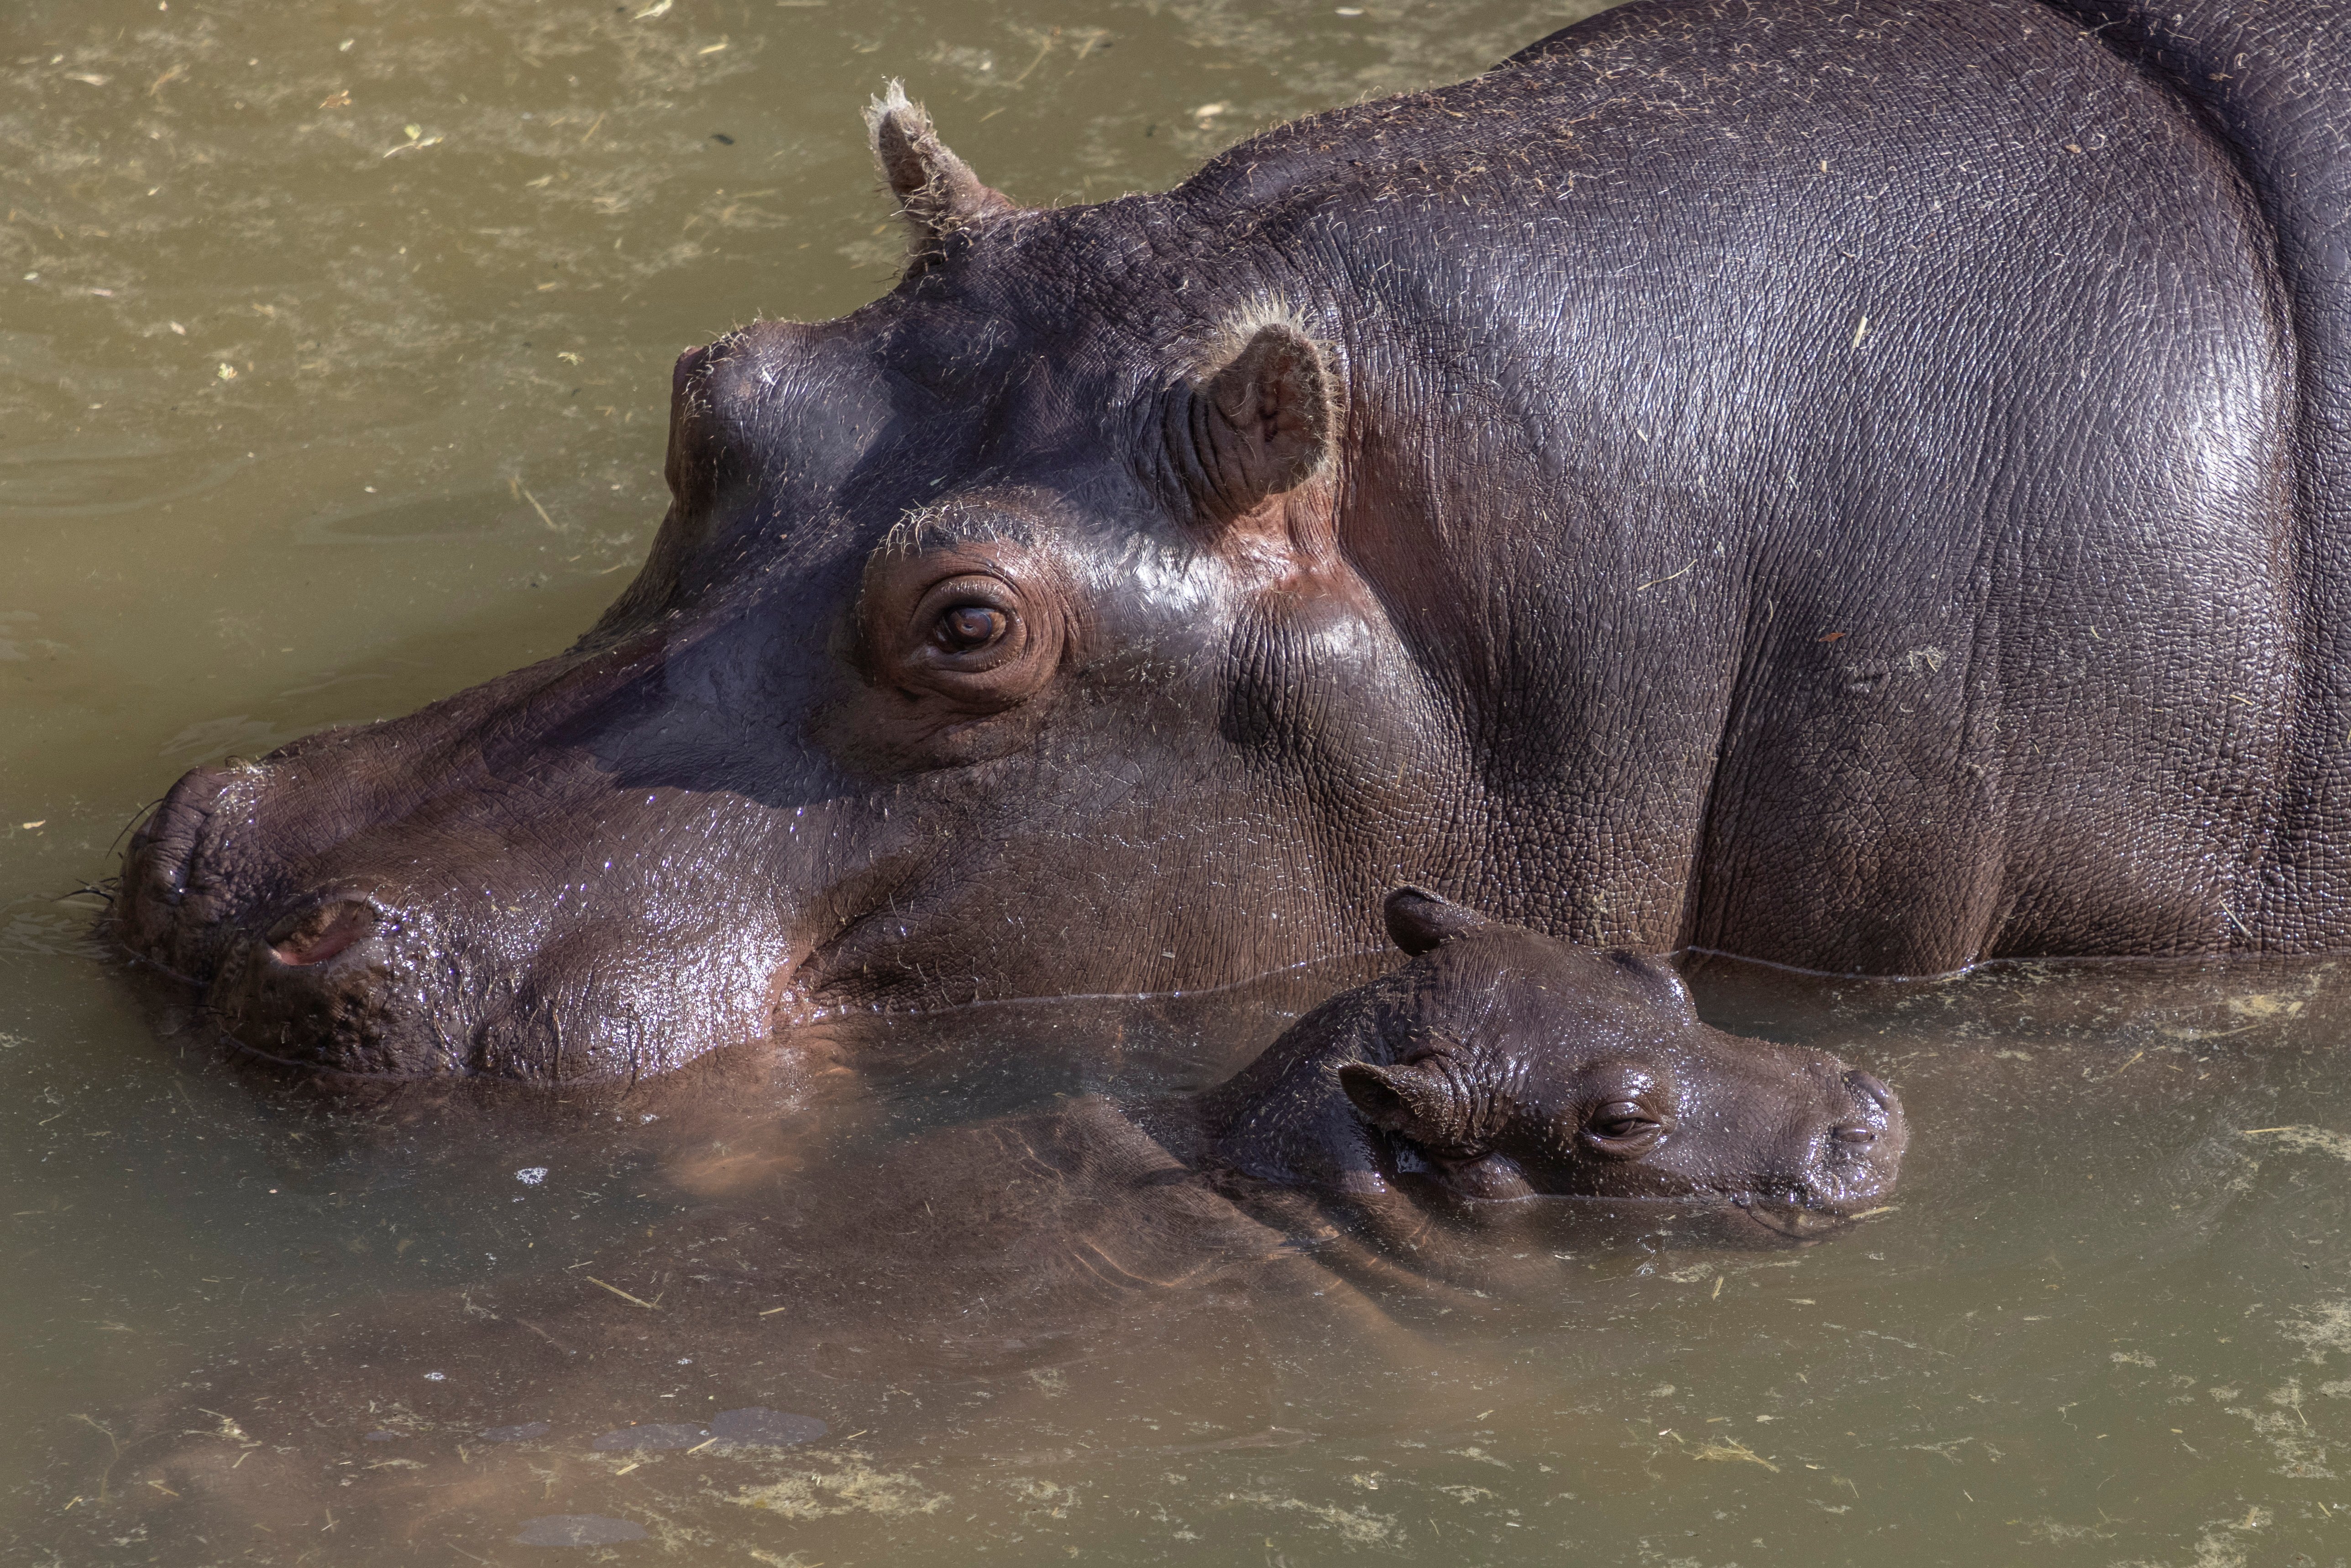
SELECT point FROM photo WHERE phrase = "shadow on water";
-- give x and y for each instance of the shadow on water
(307, 416)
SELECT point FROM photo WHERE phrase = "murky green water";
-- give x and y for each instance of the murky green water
(333, 354)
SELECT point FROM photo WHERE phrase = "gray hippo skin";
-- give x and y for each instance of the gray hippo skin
(1500, 1064)
(1434, 1132)
(1858, 487)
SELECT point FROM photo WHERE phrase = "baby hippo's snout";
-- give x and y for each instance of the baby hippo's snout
(1873, 1112)
(1847, 1165)
(1860, 1158)
(1870, 1087)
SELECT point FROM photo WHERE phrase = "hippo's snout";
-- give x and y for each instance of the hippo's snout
(1870, 1087)
(306, 986)
(1854, 1168)
(320, 990)
(325, 931)
(407, 899)
(173, 891)
(297, 973)
(1872, 1115)
(1845, 1169)
(299, 964)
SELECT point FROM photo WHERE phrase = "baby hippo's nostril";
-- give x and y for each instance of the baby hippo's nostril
(1873, 1110)
(317, 933)
(1871, 1088)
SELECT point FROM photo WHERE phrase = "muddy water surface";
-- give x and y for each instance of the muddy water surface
(333, 355)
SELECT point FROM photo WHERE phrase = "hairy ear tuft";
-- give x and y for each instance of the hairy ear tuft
(936, 191)
(1258, 425)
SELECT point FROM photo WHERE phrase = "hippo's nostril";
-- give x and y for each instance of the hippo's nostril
(1870, 1087)
(317, 933)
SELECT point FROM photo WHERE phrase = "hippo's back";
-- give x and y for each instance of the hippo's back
(1878, 468)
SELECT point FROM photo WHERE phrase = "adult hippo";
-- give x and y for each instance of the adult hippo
(1443, 1129)
(1861, 487)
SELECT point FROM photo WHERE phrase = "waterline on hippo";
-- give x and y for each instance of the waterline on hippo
(1124, 601)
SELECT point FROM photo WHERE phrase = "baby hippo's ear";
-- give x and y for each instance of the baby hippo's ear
(1412, 1099)
(1419, 920)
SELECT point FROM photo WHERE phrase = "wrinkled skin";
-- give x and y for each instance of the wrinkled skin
(1501, 1067)
(1859, 487)
(1499, 1087)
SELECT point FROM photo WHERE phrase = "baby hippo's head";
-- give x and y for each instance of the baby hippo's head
(1502, 1064)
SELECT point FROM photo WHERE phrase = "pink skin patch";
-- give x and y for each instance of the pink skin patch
(325, 933)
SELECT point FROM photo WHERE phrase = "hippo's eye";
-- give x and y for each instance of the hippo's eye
(1621, 1127)
(1625, 1119)
(956, 634)
(968, 628)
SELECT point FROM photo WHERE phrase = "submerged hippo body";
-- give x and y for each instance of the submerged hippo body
(1860, 487)
(1500, 1086)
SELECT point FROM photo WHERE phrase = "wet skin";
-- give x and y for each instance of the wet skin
(1390, 1149)
(1501, 1067)
(1695, 561)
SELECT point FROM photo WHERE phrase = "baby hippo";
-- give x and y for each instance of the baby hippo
(1501, 1064)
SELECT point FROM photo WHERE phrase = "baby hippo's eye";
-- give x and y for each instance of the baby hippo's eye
(1623, 1127)
(968, 628)
(1624, 1119)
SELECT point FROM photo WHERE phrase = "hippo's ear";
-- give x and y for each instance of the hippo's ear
(936, 190)
(1418, 920)
(1411, 1098)
(1255, 427)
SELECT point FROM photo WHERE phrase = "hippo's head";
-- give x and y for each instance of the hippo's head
(1500, 1064)
(995, 633)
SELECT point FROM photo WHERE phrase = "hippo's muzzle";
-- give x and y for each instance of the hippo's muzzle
(1849, 1172)
(401, 901)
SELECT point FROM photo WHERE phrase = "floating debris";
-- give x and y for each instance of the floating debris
(754, 1426)
(578, 1530)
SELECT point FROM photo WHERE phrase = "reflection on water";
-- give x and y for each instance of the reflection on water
(307, 416)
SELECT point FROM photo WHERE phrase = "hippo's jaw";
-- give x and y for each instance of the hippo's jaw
(1737, 1222)
(1797, 1223)
(1484, 1200)
(604, 887)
